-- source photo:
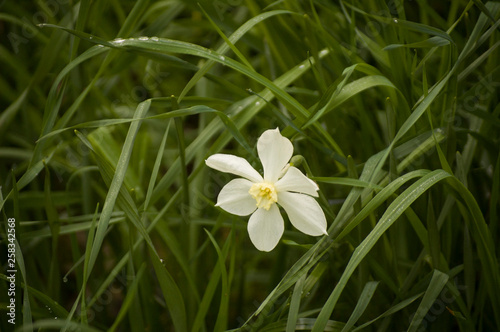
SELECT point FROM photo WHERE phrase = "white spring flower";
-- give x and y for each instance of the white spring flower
(282, 184)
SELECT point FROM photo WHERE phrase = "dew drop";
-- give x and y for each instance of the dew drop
(118, 40)
(222, 57)
(257, 103)
(395, 20)
(143, 38)
(65, 279)
(161, 260)
(155, 38)
(302, 66)
(323, 52)
(91, 37)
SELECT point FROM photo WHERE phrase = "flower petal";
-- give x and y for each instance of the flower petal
(294, 180)
(304, 213)
(274, 152)
(234, 198)
(232, 164)
(266, 228)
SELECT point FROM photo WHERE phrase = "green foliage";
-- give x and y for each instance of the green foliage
(392, 107)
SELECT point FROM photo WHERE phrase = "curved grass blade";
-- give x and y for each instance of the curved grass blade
(364, 300)
(481, 236)
(435, 41)
(43, 298)
(116, 183)
(240, 32)
(28, 176)
(393, 212)
(346, 182)
(199, 109)
(348, 91)
(162, 45)
(381, 197)
(301, 267)
(342, 216)
(438, 281)
(401, 305)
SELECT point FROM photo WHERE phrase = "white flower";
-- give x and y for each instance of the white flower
(282, 184)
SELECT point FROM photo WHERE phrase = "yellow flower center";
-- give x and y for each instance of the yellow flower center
(264, 193)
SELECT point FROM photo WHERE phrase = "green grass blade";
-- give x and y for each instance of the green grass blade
(364, 300)
(293, 312)
(161, 45)
(171, 293)
(392, 213)
(401, 305)
(116, 183)
(346, 182)
(221, 322)
(156, 167)
(131, 293)
(239, 33)
(438, 281)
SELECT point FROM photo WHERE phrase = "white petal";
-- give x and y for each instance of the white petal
(304, 213)
(274, 152)
(234, 198)
(295, 180)
(266, 228)
(232, 164)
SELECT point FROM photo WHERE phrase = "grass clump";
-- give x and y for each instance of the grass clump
(111, 108)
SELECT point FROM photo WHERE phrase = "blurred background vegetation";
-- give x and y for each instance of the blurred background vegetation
(109, 109)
